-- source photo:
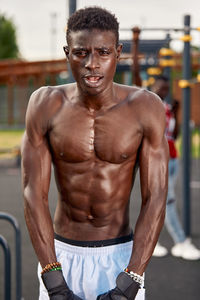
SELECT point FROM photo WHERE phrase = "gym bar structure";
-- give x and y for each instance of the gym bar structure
(13, 221)
(186, 128)
(166, 63)
(71, 8)
(7, 268)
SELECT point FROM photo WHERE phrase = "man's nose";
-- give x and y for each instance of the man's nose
(92, 61)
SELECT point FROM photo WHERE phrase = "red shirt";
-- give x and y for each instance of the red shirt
(170, 125)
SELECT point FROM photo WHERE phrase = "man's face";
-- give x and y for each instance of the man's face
(93, 56)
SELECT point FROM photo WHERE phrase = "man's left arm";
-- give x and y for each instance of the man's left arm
(153, 165)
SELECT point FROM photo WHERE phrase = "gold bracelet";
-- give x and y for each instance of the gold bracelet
(51, 266)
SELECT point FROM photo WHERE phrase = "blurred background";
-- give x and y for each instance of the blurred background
(159, 38)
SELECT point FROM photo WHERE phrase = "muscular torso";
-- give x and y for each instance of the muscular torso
(94, 154)
(94, 141)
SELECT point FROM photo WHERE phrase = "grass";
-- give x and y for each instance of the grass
(195, 144)
(10, 141)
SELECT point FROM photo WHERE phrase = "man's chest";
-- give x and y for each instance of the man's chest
(78, 136)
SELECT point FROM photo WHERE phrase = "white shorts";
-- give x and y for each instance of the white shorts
(91, 271)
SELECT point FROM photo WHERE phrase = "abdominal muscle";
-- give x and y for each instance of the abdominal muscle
(93, 204)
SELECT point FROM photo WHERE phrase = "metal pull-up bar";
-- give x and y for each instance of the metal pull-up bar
(165, 29)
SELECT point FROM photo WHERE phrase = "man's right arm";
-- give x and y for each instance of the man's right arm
(36, 172)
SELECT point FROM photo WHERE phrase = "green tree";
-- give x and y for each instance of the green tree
(8, 40)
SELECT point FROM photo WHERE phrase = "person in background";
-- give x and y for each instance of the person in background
(183, 246)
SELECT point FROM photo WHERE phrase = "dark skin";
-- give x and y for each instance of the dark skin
(94, 132)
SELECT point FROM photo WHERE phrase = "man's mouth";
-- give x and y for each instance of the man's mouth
(92, 80)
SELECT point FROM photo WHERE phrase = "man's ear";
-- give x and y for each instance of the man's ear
(119, 51)
(66, 50)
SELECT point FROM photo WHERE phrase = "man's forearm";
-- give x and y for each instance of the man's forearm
(147, 230)
(40, 229)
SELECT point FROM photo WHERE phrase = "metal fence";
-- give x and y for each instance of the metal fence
(13, 112)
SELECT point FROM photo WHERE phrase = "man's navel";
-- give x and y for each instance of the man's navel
(90, 217)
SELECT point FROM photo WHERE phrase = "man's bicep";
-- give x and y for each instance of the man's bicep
(37, 117)
(36, 165)
(36, 157)
(153, 162)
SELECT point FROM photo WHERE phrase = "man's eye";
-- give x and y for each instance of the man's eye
(104, 52)
(80, 53)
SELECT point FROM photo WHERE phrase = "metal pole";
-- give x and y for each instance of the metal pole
(135, 66)
(71, 10)
(186, 130)
(7, 268)
(18, 271)
(164, 29)
(167, 70)
(72, 7)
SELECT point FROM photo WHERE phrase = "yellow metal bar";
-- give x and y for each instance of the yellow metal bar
(183, 83)
(167, 63)
(154, 71)
(148, 82)
(166, 52)
(186, 38)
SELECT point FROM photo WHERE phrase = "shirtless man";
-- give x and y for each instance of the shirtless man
(96, 133)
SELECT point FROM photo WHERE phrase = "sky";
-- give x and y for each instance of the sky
(41, 23)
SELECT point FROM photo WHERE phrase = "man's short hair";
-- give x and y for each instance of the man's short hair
(92, 18)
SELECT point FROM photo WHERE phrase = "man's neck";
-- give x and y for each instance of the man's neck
(101, 101)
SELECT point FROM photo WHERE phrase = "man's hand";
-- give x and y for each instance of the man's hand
(126, 288)
(57, 287)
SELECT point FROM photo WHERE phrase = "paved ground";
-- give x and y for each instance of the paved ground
(167, 278)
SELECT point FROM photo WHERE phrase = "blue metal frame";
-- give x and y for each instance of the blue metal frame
(186, 130)
(7, 268)
(13, 221)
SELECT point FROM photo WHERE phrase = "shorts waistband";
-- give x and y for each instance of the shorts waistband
(101, 243)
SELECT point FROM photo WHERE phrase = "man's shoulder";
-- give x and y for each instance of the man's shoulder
(140, 97)
(46, 102)
(50, 94)
(147, 108)
(145, 97)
